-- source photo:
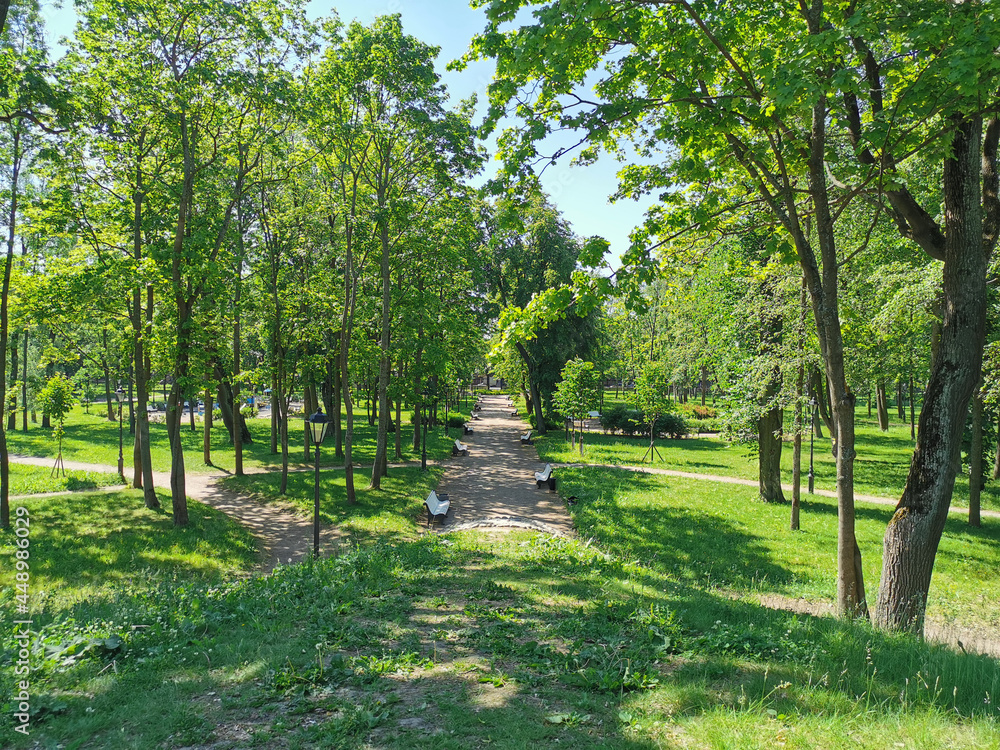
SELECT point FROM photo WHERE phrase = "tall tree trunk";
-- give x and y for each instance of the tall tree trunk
(996, 458)
(913, 428)
(912, 537)
(142, 330)
(769, 435)
(237, 296)
(275, 411)
(900, 407)
(380, 464)
(882, 407)
(207, 445)
(226, 401)
(4, 327)
(976, 458)
(12, 415)
(107, 376)
(536, 397)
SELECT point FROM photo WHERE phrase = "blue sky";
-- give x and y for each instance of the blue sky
(579, 192)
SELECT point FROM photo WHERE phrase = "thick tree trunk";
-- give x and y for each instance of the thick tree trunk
(536, 396)
(769, 436)
(175, 412)
(226, 402)
(380, 465)
(275, 411)
(913, 534)
(976, 459)
(882, 407)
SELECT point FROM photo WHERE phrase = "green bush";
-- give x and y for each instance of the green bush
(623, 419)
(672, 425)
(456, 420)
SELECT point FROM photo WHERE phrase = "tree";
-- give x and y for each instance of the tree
(578, 393)
(759, 106)
(652, 397)
(57, 398)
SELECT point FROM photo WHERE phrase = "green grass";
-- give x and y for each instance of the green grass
(86, 547)
(32, 480)
(880, 468)
(391, 512)
(506, 641)
(92, 439)
(719, 535)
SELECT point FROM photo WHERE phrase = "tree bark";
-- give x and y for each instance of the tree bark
(4, 328)
(913, 534)
(12, 415)
(882, 407)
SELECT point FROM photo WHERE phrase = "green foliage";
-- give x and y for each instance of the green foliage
(57, 397)
(652, 390)
(579, 391)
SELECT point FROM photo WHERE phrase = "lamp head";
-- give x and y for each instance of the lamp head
(318, 423)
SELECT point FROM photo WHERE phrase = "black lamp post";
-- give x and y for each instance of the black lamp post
(447, 403)
(812, 435)
(317, 424)
(425, 397)
(121, 458)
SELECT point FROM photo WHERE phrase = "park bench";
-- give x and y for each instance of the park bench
(545, 477)
(475, 416)
(437, 506)
(467, 430)
(477, 407)
(593, 415)
(526, 438)
(514, 413)
(459, 449)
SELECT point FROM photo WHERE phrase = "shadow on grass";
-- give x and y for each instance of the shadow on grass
(692, 545)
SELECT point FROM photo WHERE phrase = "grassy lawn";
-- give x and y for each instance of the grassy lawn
(719, 535)
(388, 513)
(880, 468)
(506, 641)
(31, 480)
(91, 439)
(646, 635)
(86, 548)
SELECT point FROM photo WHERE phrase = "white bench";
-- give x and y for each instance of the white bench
(467, 429)
(459, 449)
(545, 477)
(437, 506)
(514, 413)
(593, 415)
(526, 438)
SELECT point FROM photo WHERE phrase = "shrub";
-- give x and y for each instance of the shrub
(456, 420)
(703, 412)
(672, 425)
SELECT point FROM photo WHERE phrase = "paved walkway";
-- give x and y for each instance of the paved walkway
(494, 486)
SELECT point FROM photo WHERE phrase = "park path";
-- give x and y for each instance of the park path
(284, 535)
(753, 483)
(494, 486)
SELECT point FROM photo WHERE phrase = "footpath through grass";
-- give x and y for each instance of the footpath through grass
(505, 641)
(387, 513)
(880, 468)
(91, 438)
(32, 480)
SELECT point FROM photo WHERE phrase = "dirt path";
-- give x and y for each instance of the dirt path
(284, 535)
(494, 486)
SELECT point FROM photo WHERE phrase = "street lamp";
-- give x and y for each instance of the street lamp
(812, 435)
(317, 425)
(426, 395)
(121, 458)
